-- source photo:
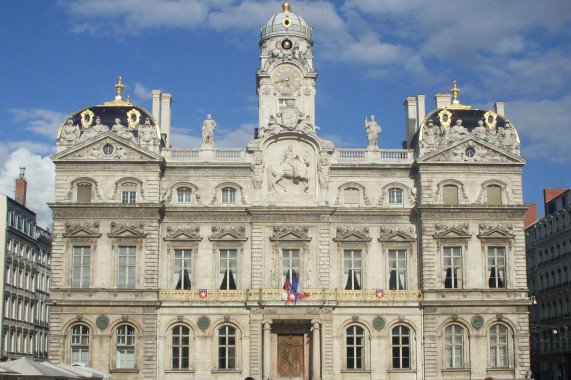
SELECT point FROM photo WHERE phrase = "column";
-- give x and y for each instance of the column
(316, 353)
(267, 350)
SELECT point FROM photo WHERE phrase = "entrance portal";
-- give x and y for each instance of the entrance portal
(290, 357)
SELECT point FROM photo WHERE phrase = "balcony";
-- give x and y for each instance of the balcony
(277, 295)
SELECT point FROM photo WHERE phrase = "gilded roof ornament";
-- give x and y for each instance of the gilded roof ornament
(285, 6)
(118, 99)
(456, 103)
(119, 87)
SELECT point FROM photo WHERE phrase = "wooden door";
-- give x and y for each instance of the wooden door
(290, 357)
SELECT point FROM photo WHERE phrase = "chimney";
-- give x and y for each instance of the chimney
(166, 102)
(421, 111)
(410, 106)
(442, 100)
(21, 187)
(156, 105)
(500, 108)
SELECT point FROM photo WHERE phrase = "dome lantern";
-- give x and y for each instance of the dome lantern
(285, 22)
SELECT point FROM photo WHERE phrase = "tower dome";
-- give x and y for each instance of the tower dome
(285, 22)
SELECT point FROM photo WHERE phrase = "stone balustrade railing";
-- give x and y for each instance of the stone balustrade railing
(269, 295)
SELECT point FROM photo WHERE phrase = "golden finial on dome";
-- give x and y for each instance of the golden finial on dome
(119, 86)
(456, 103)
(285, 6)
(455, 90)
(129, 99)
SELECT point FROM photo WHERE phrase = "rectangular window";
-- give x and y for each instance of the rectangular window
(81, 267)
(496, 267)
(351, 196)
(228, 268)
(494, 195)
(228, 195)
(395, 196)
(127, 266)
(450, 194)
(397, 269)
(290, 264)
(84, 193)
(453, 267)
(352, 269)
(128, 193)
(182, 272)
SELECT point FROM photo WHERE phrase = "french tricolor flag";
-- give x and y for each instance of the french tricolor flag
(293, 288)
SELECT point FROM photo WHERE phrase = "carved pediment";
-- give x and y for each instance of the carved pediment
(471, 150)
(127, 230)
(290, 234)
(82, 230)
(352, 234)
(499, 231)
(457, 231)
(183, 234)
(397, 234)
(237, 233)
(106, 147)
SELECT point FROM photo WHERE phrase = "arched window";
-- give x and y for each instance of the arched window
(183, 195)
(180, 347)
(499, 346)
(450, 194)
(80, 344)
(129, 192)
(454, 346)
(493, 195)
(395, 196)
(228, 195)
(226, 347)
(355, 347)
(351, 196)
(401, 347)
(84, 192)
(125, 348)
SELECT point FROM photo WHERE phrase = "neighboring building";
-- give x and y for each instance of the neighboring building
(171, 263)
(548, 245)
(25, 280)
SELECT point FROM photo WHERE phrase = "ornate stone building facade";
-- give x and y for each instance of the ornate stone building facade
(175, 263)
(548, 244)
(25, 280)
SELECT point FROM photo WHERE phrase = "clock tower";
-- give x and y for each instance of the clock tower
(286, 77)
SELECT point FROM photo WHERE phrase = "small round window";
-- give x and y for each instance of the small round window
(470, 152)
(107, 149)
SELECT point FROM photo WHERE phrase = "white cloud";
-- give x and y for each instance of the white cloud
(40, 175)
(41, 121)
(141, 93)
(545, 123)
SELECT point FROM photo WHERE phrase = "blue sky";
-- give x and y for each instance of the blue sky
(60, 56)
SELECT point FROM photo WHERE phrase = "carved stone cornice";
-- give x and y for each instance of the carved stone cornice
(397, 234)
(236, 233)
(127, 230)
(183, 234)
(289, 233)
(105, 210)
(352, 234)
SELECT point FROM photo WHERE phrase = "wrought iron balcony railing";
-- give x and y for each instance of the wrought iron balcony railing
(276, 295)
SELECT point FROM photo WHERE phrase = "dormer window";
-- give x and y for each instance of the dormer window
(183, 195)
(128, 192)
(228, 195)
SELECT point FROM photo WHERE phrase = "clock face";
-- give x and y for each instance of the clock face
(287, 79)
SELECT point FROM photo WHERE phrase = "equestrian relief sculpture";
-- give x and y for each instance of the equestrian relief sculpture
(292, 167)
